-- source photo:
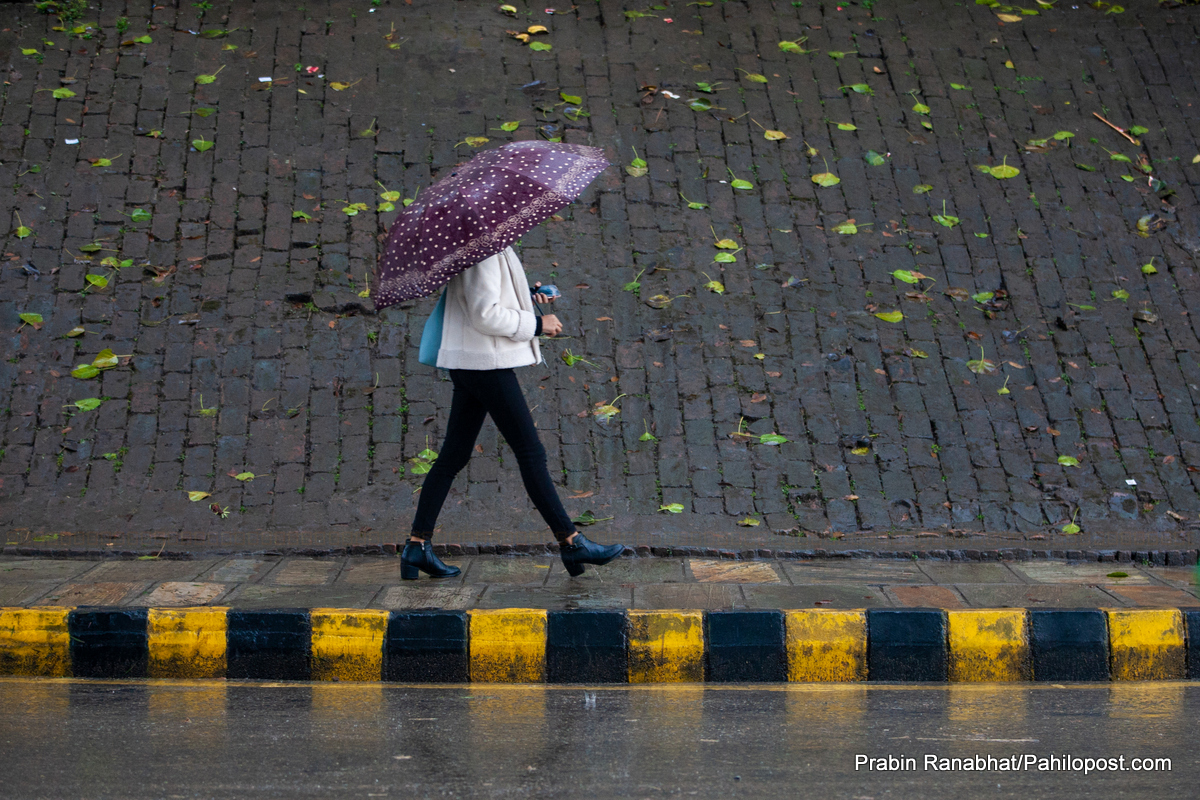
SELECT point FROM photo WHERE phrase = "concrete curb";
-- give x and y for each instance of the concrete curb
(522, 645)
(1163, 557)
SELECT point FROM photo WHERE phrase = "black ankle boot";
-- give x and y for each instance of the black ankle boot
(574, 556)
(418, 557)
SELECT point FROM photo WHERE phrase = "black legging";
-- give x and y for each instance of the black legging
(477, 393)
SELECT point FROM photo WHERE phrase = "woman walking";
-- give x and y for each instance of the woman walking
(458, 234)
(489, 328)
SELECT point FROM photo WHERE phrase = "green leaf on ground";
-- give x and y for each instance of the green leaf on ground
(510, 126)
(588, 518)
(62, 94)
(921, 108)
(540, 46)
(99, 281)
(1068, 461)
(201, 144)
(674, 508)
(105, 359)
(772, 439)
(981, 365)
(31, 319)
(890, 316)
(982, 297)
(87, 404)
(874, 159)
(1120, 294)
(85, 371)
(826, 179)
(206, 79)
(846, 228)
(922, 188)
(847, 126)
(908, 276)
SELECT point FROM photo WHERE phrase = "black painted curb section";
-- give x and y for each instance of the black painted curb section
(1068, 644)
(426, 647)
(745, 646)
(1191, 624)
(907, 644)
(273, 644)
(109, 643)
(586, 647)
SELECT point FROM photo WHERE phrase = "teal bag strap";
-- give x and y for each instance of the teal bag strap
(431, 336)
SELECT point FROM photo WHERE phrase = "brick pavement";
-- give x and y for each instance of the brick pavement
(247, 347)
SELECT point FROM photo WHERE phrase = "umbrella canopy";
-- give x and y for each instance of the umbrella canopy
(479, 209)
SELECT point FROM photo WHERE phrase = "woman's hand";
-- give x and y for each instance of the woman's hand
(542, 298)
(551, 326)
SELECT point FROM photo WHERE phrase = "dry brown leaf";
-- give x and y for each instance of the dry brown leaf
(758, 397)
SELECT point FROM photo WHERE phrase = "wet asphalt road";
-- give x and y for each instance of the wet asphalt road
(85, 739)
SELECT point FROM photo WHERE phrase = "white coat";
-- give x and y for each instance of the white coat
(489, 322)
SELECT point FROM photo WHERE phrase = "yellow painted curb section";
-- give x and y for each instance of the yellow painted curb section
(35, 641)
(666, 646)
(186, 642)
(825, 646)
(1146, 644)
(347, 644)
(508, 645)
(989, 645)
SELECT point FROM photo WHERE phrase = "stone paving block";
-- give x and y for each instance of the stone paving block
(339, 596)
(996, 595)
(1183, 577)
(704, 596)
(304, 572)
(1059, 572)
(181, 593)
(24, 594)
(409, 597)
(925, 596)
(149, 570)
(516, 571)
(969, 573)
(560, 597)
(42, 569)
(92, 594)
(624, 571)
(1154, 596)
(829, 595)
(241, 569)
(854, 571)
(706, 571)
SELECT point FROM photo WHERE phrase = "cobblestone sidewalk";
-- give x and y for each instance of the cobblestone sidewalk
(200, 231)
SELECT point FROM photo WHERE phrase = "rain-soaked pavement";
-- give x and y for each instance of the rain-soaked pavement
(945, 350)
(74, 738)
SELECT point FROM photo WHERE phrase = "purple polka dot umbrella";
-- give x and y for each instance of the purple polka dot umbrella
(476, 211)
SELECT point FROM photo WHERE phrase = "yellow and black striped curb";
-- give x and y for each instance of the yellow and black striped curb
(522, 645)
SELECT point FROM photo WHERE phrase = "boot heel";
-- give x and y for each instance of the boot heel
(573, 569)
(409, 572)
